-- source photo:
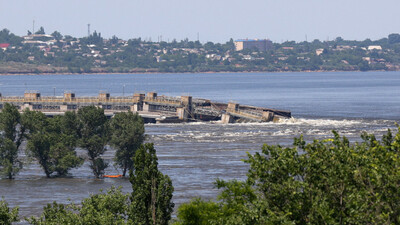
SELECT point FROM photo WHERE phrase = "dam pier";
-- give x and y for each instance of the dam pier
(152, 107)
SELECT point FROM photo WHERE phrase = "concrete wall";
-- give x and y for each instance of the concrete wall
(182, 113)
(233, 106)
(148, 108)
(226, 118)
(69, 96)
(268, 116)
(31, 96)
(152, 94)
(238, 45)
(104, 96)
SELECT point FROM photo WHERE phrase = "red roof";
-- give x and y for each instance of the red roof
(4, 45)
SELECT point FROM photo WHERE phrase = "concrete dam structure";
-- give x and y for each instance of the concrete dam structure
(152, 107)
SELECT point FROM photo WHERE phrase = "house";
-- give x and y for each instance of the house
(319, 51)
(343, 47)
(39, 39)
(374, 47)
(4, 46)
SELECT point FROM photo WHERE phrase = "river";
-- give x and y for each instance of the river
(195, 154)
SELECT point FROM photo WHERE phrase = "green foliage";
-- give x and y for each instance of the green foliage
(11, 138)
(93, 133)
(324, 182)
(10, 124)
(198, 212)
(7, 216)
(57, 35)
(149, 203)
(52, 141)
(7, 37)
(152, 191)
(394, 38)
(127, 135)
(102, 208)
(9, 163)
(93, 39)
(56, 214)
(40, 31)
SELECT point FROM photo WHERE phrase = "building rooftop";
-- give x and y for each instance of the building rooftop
(251, 40)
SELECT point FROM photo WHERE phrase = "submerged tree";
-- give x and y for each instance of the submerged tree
(127, 135)
(152, 191)
(9, 163)
(11, 138)
(93, 133)
(52, 142)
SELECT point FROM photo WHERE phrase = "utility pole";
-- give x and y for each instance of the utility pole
(33, 27)
(88, 29)
(123, 90)
(54, 91)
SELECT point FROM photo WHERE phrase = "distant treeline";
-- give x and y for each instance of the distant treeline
(57, 53)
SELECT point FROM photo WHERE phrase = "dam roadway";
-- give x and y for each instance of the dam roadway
(152, 107)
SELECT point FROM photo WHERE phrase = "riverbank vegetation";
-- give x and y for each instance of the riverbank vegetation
(42, 53)
(327, 181)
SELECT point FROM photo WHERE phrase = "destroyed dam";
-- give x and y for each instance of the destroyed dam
(152, 107)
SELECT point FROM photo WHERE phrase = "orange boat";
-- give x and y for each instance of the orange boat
(112, 176)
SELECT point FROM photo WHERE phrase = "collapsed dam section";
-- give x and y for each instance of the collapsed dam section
(152, 107)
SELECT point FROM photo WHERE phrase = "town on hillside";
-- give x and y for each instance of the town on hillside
(38, 52)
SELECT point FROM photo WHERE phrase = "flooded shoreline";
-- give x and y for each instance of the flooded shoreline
(194, 155)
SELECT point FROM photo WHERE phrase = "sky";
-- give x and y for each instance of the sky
(208, 20)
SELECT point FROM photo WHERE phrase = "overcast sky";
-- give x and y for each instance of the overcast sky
(213, 20)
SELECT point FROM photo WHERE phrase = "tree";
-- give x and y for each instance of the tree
(127, 135)
(7, 216)
(52, 142)
(394, 38)
(12, 136)
(324, 182)
(7, 37)
(40, 31)
(152, 191)
(93, 133)
(57, 35)
(9, 163)
(198, 212)
(101, 208)
(10, 124)
(63, 132)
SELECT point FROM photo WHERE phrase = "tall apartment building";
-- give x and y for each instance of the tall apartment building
(261, 45)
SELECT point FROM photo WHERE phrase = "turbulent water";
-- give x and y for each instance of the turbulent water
(195, 154)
